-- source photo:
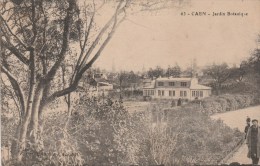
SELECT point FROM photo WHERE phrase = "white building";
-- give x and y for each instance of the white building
(104, 86)
(175, 88)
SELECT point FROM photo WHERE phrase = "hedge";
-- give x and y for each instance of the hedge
(200, 139)
(226, 102)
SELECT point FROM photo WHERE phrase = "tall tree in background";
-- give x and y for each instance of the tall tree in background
(254, 60)
(238, 73)
(174, 71)
(155, 73)
(219, 73)
(192, 70)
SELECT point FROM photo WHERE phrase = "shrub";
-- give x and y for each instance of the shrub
(104, 131)
(226, 102)
(223, 103)
(199, 139)
(211, 106)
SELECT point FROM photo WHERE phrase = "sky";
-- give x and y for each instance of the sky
(165, 37)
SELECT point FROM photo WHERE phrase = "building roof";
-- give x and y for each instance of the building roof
(104, 84)
(147, 80)
(173, 79)
(152, 85)
(199, 87)
(192, 86)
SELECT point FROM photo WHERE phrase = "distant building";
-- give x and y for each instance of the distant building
(146, 82)
(175, 88)
(104, 87)
(97, 85)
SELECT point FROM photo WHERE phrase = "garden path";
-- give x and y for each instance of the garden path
(237, 119)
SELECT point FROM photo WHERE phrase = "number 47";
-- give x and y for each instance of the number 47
(183, 13)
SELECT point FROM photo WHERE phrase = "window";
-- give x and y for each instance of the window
(171, 83)
(193, 93)
(201, 93)
(151, 92)
(197, 93)
(183, 93)
(148, 92)
(183, 83)
(160, 83)
(171, 93)
(159, 93)
(162, 92)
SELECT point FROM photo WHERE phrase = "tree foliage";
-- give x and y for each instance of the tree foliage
(38, 38)
(174, 71)
(155, 73)
(219, 73)
(171, 71)
(254, 61)
(47, 46)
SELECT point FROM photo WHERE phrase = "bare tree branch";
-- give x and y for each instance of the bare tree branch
(73, 86)
(66, 34)
(13, 97)
(101, 33)
(15, 52)
(10, 31)
(34, 26)
(16, 87)
(115, 25)
(87, 32)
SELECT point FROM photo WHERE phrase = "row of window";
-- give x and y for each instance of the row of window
(148, 92)
(184, 84)
(197, 93)
(183, 93)
(172, 93)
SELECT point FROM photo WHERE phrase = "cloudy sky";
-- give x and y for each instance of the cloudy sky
(164, 38)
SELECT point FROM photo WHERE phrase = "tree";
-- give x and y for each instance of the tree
(122, 80)
(219, 73)
(254, 60)
(102, 128)
(192, 71)
(39, 36)
(174, 71)
(238, 73)
(157, 72)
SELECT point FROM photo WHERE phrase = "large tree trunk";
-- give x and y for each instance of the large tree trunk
(28, 130)
(24, 127)
(34, 124)
(21, 139)
(15, 143)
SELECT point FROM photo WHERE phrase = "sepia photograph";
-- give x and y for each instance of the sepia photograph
(130, 82)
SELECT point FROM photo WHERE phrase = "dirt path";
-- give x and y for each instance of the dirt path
(237, 119)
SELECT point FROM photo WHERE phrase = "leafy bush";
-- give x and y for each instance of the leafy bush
(226, 102)
(200, 140)
(103, 132)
